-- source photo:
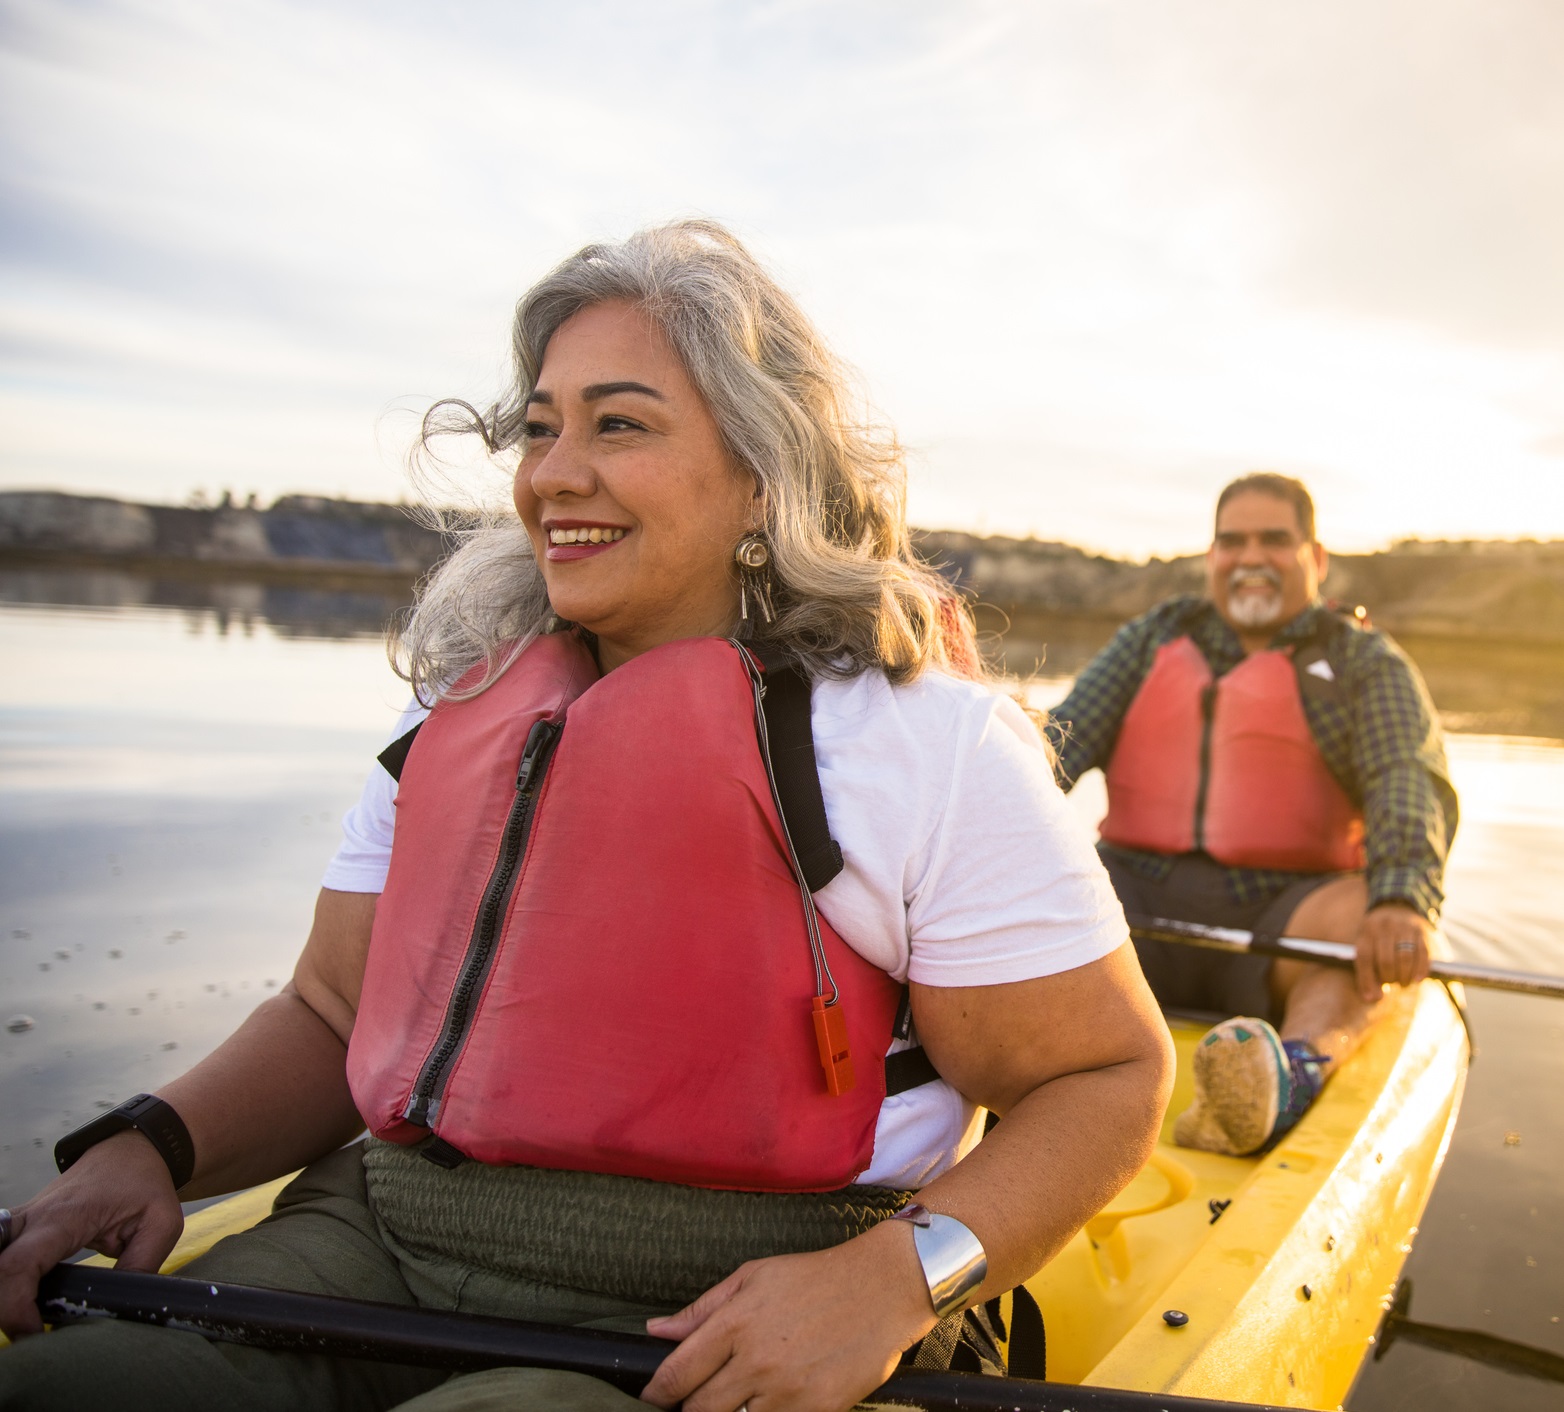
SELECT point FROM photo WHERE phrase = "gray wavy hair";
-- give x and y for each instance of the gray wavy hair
(849, 592)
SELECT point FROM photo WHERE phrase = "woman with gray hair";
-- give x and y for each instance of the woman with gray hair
(703, 901)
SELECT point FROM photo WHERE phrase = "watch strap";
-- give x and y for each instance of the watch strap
(954, 1262)
(154, 1119)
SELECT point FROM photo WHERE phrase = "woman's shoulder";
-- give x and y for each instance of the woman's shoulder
(936, 707)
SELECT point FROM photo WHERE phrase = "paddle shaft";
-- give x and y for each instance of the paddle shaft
(1336, 953)
(389, 1333)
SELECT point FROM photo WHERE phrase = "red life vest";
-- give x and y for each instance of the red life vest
(598, 958)
(1228, 766)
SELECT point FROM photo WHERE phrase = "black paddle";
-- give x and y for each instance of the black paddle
(1336, 953)
(389, 1333)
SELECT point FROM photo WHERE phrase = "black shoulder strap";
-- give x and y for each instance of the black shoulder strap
(908, 1069)
(1317, 678)
(797, 775)
(394, 756)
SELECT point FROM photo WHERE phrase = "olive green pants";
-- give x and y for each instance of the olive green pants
(378, 1223)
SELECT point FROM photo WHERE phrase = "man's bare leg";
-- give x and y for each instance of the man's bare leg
(1323, 1004)
(1253, 1082)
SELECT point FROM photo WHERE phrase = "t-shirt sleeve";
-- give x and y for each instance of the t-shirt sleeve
(363, 857)
(1010, 885)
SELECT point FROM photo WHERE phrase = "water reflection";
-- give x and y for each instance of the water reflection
(288, 608)
(171, 789)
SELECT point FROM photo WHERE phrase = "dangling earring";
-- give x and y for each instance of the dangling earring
(752, 556)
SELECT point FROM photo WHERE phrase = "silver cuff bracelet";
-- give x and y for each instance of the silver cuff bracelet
(952, 1257)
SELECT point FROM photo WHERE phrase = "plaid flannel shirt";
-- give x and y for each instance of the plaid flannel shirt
(1379, 735)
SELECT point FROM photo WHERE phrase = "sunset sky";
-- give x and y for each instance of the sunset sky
(1092, 257)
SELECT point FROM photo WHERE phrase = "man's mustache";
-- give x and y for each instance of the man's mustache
(1241, 578)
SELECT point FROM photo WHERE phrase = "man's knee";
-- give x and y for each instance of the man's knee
(1331, 912)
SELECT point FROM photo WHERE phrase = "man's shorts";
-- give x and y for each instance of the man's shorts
(1189, 978)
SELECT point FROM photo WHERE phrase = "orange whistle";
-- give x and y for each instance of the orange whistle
(831, 1036)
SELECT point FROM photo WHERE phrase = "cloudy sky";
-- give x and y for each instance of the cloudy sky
(1093, 257)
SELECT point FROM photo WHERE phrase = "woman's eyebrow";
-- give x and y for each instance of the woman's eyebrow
(597, 390)
(594, 392)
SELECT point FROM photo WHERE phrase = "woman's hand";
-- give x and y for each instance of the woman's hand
(1079, 1065)
(270, 1099)
(118, 1198)
(798, 1333)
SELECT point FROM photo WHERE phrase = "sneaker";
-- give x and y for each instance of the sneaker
(1250, 1088)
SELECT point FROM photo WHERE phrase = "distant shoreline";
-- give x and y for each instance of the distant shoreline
(1495, 591)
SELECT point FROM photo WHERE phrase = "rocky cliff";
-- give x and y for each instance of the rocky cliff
(1499, 591)
(297, 535)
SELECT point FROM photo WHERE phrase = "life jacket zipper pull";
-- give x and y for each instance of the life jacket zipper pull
(537, 738)
(830, 1022)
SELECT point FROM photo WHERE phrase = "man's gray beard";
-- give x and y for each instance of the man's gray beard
(1252, 610)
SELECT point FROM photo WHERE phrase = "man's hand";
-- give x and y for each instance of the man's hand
(1392, 944)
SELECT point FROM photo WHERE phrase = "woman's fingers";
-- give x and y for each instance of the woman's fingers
(145, 1246)
(118, 1198)
(18, 1316)
(692, 1316)
(802, 1333)
(693, 1364)
(36, 1247)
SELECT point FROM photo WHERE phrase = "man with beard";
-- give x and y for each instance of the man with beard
(1275, 766)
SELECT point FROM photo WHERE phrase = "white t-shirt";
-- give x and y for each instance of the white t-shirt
(963, 865)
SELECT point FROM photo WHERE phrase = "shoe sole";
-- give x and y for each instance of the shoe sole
(1238, 1083)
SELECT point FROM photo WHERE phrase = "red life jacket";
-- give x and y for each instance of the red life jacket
(1228, 766)
(598, 958)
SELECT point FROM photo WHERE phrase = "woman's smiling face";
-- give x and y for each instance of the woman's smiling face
(629, 495)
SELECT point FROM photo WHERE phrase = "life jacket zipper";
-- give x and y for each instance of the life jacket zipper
(423, 1107)
(1207, 718)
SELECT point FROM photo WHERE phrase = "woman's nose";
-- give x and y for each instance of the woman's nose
(563, 470)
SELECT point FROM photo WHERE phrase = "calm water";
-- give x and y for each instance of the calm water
(173, 762)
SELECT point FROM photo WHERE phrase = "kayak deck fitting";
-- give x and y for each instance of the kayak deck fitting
(1283, 1265)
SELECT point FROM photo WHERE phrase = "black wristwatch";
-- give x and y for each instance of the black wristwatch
(149, 1116)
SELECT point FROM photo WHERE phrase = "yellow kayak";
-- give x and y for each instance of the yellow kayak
(1282, 1266)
